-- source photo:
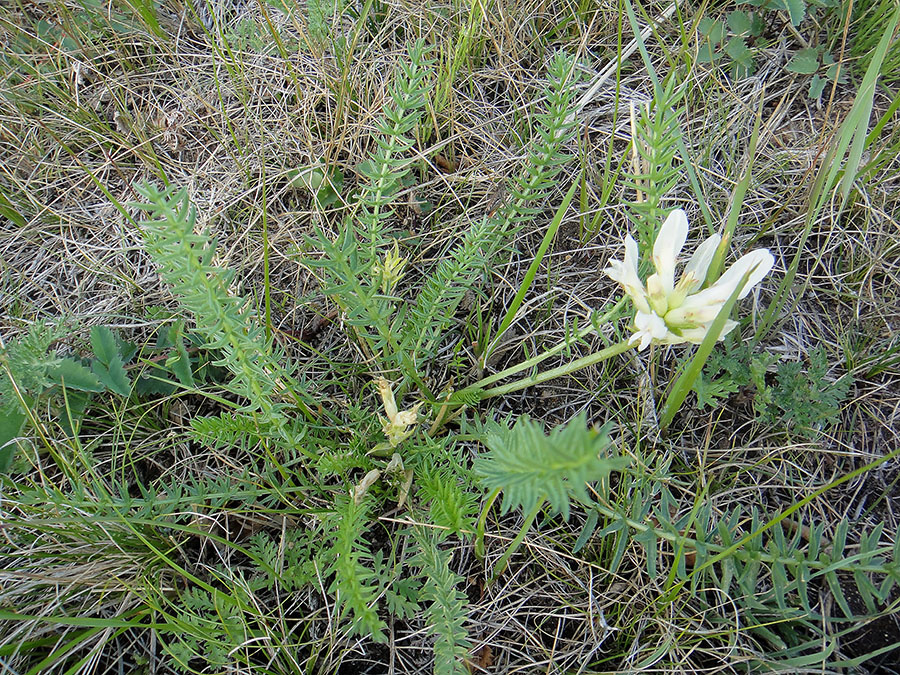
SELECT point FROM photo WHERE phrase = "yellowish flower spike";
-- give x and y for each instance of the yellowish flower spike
(388, 272)
(670, 312)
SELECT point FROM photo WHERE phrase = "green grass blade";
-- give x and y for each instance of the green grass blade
(853, 131)
(533, 268)
(684, 383)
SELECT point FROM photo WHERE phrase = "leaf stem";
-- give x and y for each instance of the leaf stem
(533, 361)
(482, 521)
(565, 369)
(500, 567)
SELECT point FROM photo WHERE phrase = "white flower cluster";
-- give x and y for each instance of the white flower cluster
(670, 312)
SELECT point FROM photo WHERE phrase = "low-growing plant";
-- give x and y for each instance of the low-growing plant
(768, 567)
(35, 375)
(819, 63)
(362, 269)
(796, 396)
(737, 40)
(326, 458)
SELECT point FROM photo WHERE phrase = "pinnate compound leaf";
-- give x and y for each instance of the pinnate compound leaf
(180, 364)
(529, 465)
(736, 48)
(355, 584)
(796, 9)
(833, 70)
(446, 605)
(757, 27)
(742, 63)
(706, 54)
(712, 31)
(109, 367)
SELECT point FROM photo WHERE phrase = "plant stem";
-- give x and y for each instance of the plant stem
(482, 521)
(565, 369)
(533, 361)
(500, 566)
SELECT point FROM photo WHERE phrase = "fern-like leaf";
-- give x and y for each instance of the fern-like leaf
(546, 156)
(444, 483)
(355, 585)
(656, 143)
(388, 165)
(229, 430)
(27, 366)
(224, 320)
(530, 466)
(459, 271)
(445, 288)
(349, 281)
(770, 571)
(446, 613)
(349, 263)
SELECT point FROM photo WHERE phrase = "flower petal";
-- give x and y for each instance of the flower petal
(668, 245)
(631, 253)
(697, 309)
(760, 261)
(703, 307)
(643, 338)
(698, 265)
(387, 398)
(697, 335)
(626, 273)
(656, 295)
(650, 327)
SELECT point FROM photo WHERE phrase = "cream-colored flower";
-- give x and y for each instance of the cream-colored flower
(650, 327)
(670, 312)
(399, 425)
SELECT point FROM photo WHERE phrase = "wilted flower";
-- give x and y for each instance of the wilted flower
(399, 425)
(670, 312)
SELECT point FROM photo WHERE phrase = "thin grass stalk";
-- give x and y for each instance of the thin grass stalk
(530, 274)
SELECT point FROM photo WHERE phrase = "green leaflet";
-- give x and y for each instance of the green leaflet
(73, 375)
(11, 425)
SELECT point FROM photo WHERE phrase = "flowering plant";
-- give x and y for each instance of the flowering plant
(673, 313)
